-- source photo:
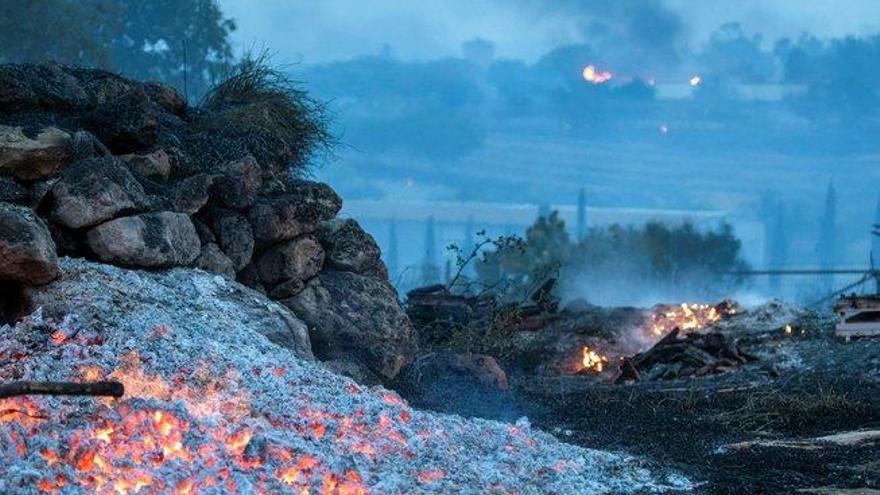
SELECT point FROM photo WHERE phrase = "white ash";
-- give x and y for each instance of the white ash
(216, 382)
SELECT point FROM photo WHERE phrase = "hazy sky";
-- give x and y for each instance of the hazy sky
(323, 30)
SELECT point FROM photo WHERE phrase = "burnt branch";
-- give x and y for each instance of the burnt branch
(102, 389)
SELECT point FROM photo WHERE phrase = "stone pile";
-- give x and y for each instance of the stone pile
(97, 166)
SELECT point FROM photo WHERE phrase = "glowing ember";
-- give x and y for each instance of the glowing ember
(687, 317)
(212, 410)
(696, 81)
(592, 361)
(593, 75)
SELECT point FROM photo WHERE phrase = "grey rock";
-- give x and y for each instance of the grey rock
(234, 235)
(351, 249)
(33, 155)
(287, 289)
(94, 190)
(204, 232)
(122, 115)
(251, 278)
(166, 97)
(147, 240)
(182, 299)
(354, 317)
(297, 210)
(238, 183)
(298, 259)
(13, 192)
(212, 259)
(191, 194)
(155, 165)
(34, 87)
(27, 251)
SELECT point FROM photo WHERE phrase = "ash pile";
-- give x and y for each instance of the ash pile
(212, 406)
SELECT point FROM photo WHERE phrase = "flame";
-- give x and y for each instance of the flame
(686, 317)
(593, 75)
(592, 361)
(696, 81)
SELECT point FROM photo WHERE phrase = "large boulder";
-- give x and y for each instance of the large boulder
(27, 252)
(122, 115)
(178, 300)
(212, 259)
(94, 190)
(297, 209)
(238, 182)
(155, 165)
(191, 194)
(28, 154)
(351, 249)
(147, 240)
(233, 234)
(354, 317)
(37, 87)
(295, 261)
(12, 192)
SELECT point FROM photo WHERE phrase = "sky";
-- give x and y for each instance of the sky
(327, 30)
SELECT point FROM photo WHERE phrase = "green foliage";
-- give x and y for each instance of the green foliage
(62, 30)
(670, 260)
(169, 40)
(258, 106)
(165, 40)
(520, 266)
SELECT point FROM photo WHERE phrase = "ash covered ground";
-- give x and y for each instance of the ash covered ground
(800, 412)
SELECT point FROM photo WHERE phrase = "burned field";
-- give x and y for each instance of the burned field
(740, 400)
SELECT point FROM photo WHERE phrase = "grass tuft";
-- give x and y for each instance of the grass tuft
(259, 106)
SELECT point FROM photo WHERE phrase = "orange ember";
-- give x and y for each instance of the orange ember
(592, 361)
(686, 317)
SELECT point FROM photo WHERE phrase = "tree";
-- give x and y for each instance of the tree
(875, 242)
(582, 214)
(73, 37)
(430, 268)
(173, 40)
(826, 247)
(616, 263)
(164, 40)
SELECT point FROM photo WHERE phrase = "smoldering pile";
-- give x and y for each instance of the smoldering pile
(212, 406)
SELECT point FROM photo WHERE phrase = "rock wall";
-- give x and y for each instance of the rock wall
(101, 167)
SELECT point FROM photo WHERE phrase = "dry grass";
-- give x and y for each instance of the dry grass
(790, 410)
(258, 105)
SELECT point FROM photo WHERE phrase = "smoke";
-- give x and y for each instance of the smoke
(630, 35)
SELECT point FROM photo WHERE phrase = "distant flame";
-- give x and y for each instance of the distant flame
(696, 81)
(592, 361)
(595, 76)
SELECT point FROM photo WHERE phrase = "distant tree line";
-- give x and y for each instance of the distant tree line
(184, 43)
